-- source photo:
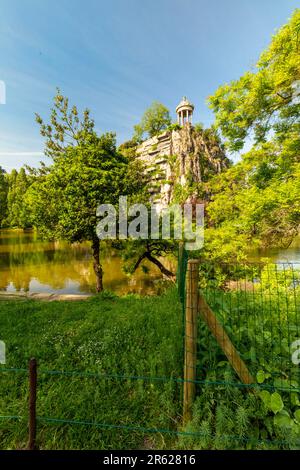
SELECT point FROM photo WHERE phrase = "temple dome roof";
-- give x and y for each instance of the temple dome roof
(185, 104)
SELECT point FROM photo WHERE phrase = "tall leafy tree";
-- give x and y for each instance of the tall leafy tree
(266, 100)
(3, 196)
(17, 210)
(257, 202)
(87, 171)
(155, 119)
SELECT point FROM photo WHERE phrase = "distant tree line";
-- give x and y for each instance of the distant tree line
(13, 187)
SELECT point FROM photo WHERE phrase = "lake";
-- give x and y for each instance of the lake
(30, 264)
(280, 255)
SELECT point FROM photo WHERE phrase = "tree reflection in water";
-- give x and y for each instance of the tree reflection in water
(29, 264)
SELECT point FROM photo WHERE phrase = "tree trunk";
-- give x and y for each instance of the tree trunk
(155, 261)
(162, 268)
(97, 265)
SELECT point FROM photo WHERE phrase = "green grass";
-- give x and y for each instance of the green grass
(131, 336)
(106, 335)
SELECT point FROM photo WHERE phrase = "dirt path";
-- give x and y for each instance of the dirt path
(43, 296)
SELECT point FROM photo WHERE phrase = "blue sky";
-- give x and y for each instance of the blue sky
(115, 57)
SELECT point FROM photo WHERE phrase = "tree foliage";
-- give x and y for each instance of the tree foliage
(85, 173)
(3, 196)
(155, 119)
(66, 128)
(17, 210)
(256, 202)
(267, 99)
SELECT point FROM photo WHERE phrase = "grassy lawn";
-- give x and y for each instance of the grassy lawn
(143, 337)
(105, 335)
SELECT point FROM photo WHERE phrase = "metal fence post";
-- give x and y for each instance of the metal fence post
(190, 352)
(181, 270)
(32, 403)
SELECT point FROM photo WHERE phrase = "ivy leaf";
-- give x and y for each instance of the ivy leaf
(280, 383)
(297, 415)
(266, 398)
(283, 419)
(295, 399)
(276, 404)
(260, 376)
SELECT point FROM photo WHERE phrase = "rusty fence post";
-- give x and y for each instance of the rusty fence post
(32, 403)
(190, 349)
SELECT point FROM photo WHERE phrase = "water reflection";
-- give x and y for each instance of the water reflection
(29, 264)
(279, 255)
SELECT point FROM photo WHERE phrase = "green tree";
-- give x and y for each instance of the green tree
(85, 173)
(128, 149)
(256, 202)
(155, 119)
(3, 196)
(17, 210)
(66, 128)
(135, 252)
(267, 99)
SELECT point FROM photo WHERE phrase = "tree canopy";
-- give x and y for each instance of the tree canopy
(3, 196)
(85, 173)
(155, 119)
(267, 100)
(66, 128)
(256, 202)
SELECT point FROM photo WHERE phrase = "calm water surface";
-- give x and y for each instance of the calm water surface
(29, 264)
(279, 255)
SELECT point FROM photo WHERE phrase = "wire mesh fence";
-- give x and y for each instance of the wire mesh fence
(248, 354)
(259, 307)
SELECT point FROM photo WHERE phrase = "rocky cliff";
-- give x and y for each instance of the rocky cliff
(183, 156)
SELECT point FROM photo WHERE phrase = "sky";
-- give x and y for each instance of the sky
(116, 57)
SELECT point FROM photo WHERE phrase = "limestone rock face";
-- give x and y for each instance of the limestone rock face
(184, 156)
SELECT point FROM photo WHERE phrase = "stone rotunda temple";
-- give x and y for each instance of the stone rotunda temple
(184, 111)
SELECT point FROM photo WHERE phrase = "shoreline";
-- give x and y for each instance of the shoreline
(46, 296)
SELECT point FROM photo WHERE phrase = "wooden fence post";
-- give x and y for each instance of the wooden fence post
(190, 348)
(32, 403)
